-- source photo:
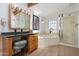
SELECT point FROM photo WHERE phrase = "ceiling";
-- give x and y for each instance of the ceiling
(49, 9)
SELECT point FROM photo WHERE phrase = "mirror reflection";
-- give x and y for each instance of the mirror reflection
(19, 19)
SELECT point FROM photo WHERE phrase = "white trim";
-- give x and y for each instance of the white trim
(61, 43)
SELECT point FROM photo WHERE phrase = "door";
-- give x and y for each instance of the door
(69, 30)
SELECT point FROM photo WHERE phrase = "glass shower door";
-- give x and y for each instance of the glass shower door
(69, 30)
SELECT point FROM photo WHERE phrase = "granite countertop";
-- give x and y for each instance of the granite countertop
(13, 34)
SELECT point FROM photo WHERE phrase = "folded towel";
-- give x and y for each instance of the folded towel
(19, 47)
(20, 42)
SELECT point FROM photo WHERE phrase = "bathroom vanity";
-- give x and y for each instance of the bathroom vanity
(19, 44)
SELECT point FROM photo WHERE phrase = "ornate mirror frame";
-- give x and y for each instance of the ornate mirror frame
(15, 10)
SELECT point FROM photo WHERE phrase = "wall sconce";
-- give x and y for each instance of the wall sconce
(3, 22)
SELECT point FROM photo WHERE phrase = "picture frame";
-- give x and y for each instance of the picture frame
(35, 22)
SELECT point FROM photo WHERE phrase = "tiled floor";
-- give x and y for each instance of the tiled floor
(57, 50)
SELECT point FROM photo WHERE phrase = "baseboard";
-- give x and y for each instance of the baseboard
(48, 45)
(61, 43)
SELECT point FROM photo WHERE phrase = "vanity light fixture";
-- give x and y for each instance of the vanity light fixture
(17, 9)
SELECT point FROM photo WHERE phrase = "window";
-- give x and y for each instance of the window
(52, 26)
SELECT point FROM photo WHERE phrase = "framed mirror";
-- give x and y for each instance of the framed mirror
(18, 18)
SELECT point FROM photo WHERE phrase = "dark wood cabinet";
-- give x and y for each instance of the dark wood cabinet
(7, 46)
(7, 43)
(32, 43)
